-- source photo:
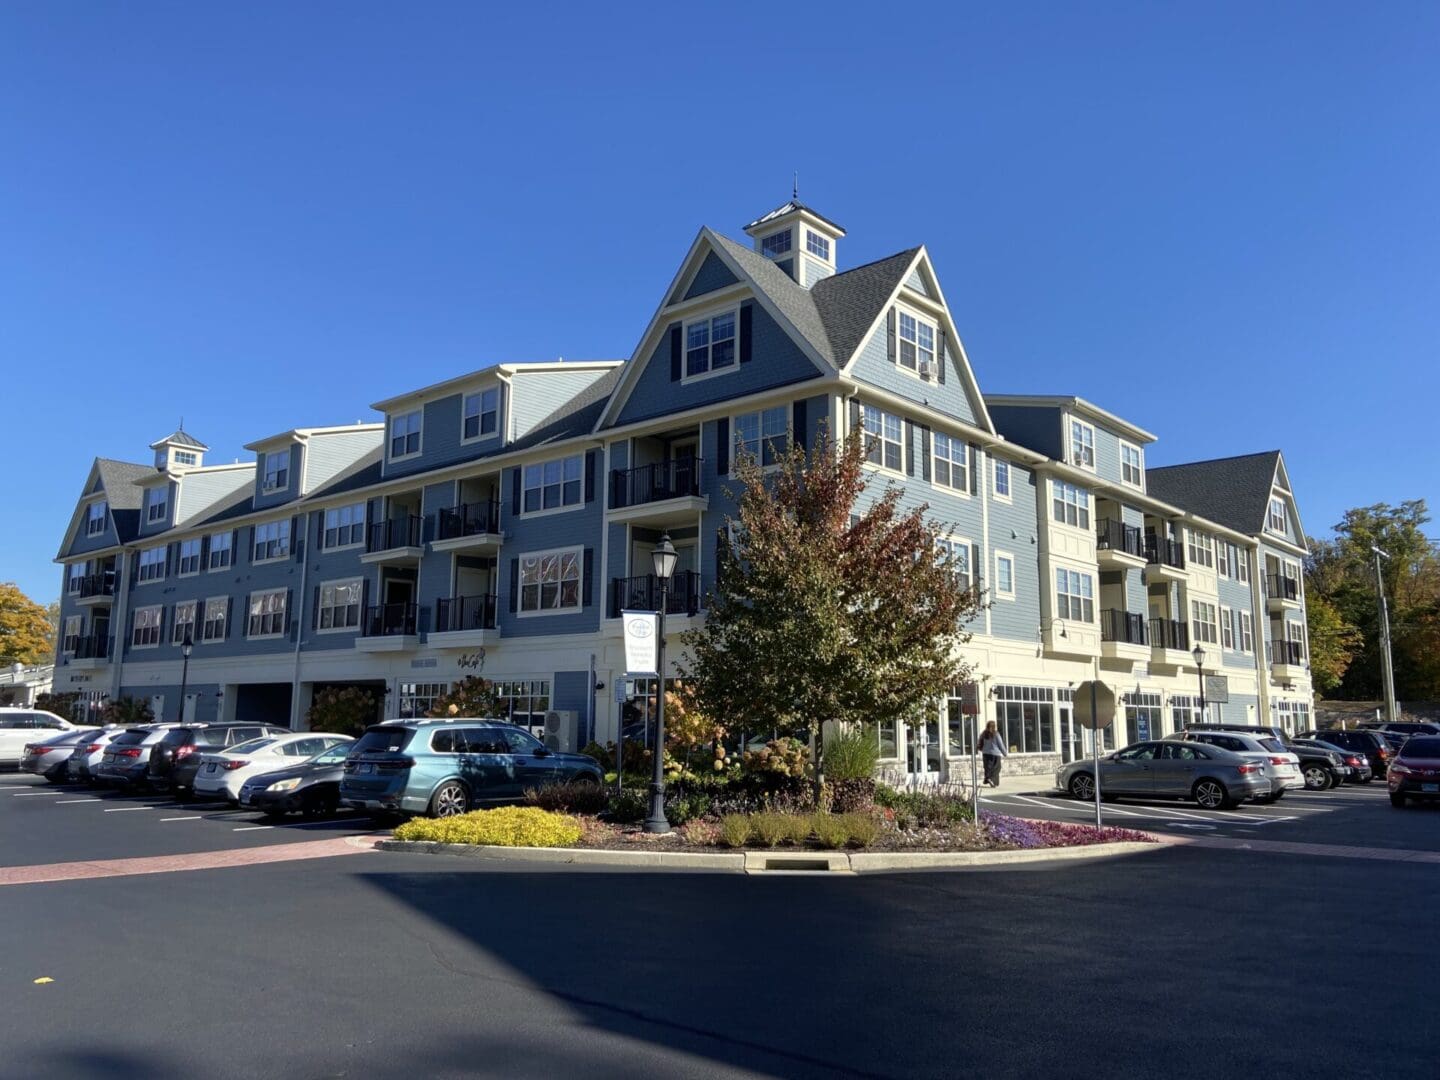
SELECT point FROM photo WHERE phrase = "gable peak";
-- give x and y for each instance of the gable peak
(797, 239)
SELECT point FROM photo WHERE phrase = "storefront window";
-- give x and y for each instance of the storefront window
(417, 699)
(1025, 716)
(889, 744)
(1143, 717)
(526, 701)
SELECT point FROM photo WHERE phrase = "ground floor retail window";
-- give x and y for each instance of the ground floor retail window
(526, 701)
(417, 699)
(1144, 717)
(1025, 716)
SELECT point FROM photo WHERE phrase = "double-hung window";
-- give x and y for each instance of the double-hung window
(152, 564)
(74, 577)
(1082, 444)
(344, 525)
(1074, 595)
(959, 554)
(777, 243)
(1247, 632)
(145, 631)
(220, 551)
(1224, 558)
(883, 444)
(763, 436)
(405, 434)
(1276, 520)
(1131, 470)
(1002, 479)
(1227, 628)
(272, 540)
(482, 413)
(277, 471)
(1202, 622)
(1005, 575)
(817, 245)
(156, 501)
(1201, 548)
(710, 344)
(1242, 565)
(95, 518)
(917, 343)
(183, 625)
(553, 484)
(1070, 504)
(74, 630)
(339, 605)
(952, 463)
(189, 557)
(550, 581)
(216, 610)
(267, 613)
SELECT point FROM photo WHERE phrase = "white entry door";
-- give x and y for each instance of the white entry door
(923, 752)
(157, 706)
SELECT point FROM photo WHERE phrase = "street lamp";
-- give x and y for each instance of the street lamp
(185, 649)
(664, 558)
(1199, 654)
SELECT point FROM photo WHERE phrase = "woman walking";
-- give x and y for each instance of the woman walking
(992, 746)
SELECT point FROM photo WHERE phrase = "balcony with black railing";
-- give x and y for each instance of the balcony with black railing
(89, 649)
(1290, 654)
(98, 588)
(391, 620)
(463, 614)
(395, 540)
(675, 482)
(643, 594)
(1281, 591)
(1122, 628)
(1119, 545)
(1164, 557)
(474, 521)
(1169, 635)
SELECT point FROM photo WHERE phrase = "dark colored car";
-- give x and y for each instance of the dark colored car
(1415, 774)
(126, 758)
(1404, 727)
(1324, 766)
(177, 755)
(311, 788)
(1369, 743)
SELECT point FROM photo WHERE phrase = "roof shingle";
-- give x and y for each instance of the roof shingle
(1233, 491)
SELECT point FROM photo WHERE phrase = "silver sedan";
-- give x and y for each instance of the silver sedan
(1217, 779)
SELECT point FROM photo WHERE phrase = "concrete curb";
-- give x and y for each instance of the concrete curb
(861, 862)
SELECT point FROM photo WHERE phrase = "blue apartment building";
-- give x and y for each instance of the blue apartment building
(499, 521)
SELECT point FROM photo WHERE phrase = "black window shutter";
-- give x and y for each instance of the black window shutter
(975, 575)
(134, 568)
(677, 352)
(315, 609)
(245, 614)
(799, 420)
(514, 585)
(924, 452)
(909, 448)
(169, 559)
(204, 552)
(297, 535)
(364, 601)
(890, 332)
(940, 364)
(515, 492)
(235, 548)
(590, 456)
(745, 310)
(722, 446)
(229, 616)
(294, 624)
(587, 572)
(974, 456)
(855, 424)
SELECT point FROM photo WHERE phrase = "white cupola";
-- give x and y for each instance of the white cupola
(798, 240)
(178, 451)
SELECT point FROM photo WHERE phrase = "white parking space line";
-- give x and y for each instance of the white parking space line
(125, 809)
(252, 828)
(194, 818)
(27, 794)
(70, 802)
(1079, 807)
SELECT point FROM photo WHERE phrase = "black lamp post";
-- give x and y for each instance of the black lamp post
(664, 557)
(1199, 654)
(185, 649)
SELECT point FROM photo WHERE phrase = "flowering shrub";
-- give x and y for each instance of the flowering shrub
(506, 826)
(924, 809)
(1025, 833)
(783, 757)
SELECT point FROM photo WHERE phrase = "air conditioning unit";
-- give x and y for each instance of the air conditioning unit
(560, 730)
(927, 369)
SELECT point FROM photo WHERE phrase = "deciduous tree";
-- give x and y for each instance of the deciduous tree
(25, 636)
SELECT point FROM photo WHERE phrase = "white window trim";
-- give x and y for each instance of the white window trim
(996, 590)
(210, 553)
(160, 638)
(266, 487)
(1227, 622)
(1284, 517)
(1057, 487)
(791, 250)
(1010, 472)
(103, 519)
(735, 436)
(66, 635)
(579, 552)
(1094, 597)
(1070, 444)
(364, 505)
(480, 436)
(150, 505)
(871, 465)
(180, 557)
(973, 571)
(140, 563)
(710, 372)
(224, 602)
(935, 459)
(289, 542)
(390, 434)
(250, 600)
(1140, 451)
(194, 623)
(359, 625)
(825, 240)
(562, 508)
(936, 361)
(1247, 631)
(1196, 611)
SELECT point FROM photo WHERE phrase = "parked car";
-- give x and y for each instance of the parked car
(1404, 727)
(177, 755)
(47, 757)
(125, 761)
(1370, 743)
(311, 788)
(1216, 778)
(1269, 730)
(87, 755)
(21, 726)
(1282, 766)
(221, 774)
(446, 767)
(1324, 766)
(1415, 774)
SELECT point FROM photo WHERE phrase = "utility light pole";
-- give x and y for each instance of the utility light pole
(1392, 713)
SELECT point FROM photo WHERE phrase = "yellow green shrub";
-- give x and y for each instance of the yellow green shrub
(505, 826)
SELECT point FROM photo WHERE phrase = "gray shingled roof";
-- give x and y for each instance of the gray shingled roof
(180, 437)
(849, 303)
(118, 478)
(794, 302)
(576, 417)
(1233, 491)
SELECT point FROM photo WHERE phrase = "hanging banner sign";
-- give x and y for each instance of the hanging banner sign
(642, 637)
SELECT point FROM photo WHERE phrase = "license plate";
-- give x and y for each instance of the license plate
(1430, 787)
(210, 767)
(364, 767)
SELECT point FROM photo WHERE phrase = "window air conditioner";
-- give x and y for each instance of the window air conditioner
(927, 369)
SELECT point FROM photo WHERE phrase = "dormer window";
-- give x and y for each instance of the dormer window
(1276, 521)
(185, 457)
(95, 518)
(710, 344)
(817, 245)
(405, 434)
(277, 471)
(155, 504)
(482, 413)
(775, 244)
(1131, 468)
(1082, 444)
(917, 344)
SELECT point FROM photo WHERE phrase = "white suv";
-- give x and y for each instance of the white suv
(1282, 765)
(21, 726)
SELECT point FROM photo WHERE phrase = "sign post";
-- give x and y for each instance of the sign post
(1095, 710)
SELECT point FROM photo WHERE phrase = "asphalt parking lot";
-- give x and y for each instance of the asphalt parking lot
(48, 823)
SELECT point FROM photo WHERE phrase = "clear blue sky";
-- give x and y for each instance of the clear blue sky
(1217, 220)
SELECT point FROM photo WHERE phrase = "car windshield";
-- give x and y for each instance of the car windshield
(250, 747)
(1422, 746)
(379, 740)
(176, 737)
(1273, 745)
(129, 738)
(332, 756)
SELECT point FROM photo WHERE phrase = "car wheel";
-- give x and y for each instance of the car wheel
(1397, 798)
(1317, 777)
(321, 807)
(1082, 787)
(1211, 794)
(450, 798)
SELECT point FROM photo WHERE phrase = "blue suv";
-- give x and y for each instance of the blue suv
(446, 767)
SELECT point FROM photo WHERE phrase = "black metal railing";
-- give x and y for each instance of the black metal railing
(397, 533)
(464, 613)
(643, 594)
(92, 647)
(1287, 652)
(468, 519)
(1112, 535)
(1169, 634)
(1278, 587)
(102, 584)
(387, 620)
(654, 483)
(1162, 551)
(1127, 627)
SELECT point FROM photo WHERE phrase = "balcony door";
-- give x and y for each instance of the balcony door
(684, 453)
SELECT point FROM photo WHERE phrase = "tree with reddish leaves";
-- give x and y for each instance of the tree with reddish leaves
(830, 602)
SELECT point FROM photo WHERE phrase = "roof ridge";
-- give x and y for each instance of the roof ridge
(908, 252)
(1213, 461)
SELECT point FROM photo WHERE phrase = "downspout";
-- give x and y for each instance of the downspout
(117, 624)
(300, 624)
(1259, 620)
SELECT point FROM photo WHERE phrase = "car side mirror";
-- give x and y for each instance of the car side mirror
(542, 752)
